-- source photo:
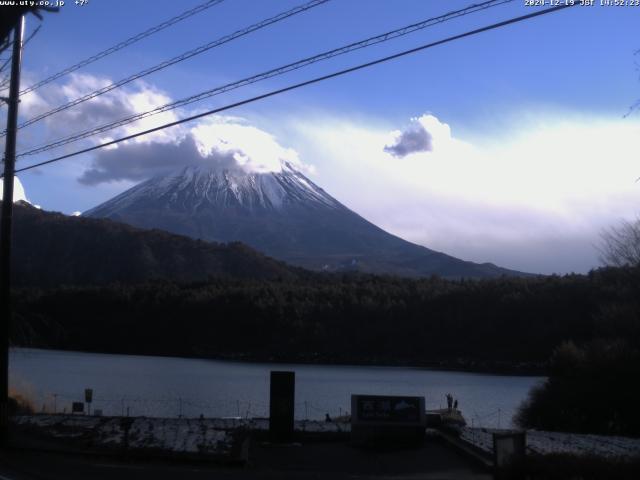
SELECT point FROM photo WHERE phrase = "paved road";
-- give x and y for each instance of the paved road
(313, 461)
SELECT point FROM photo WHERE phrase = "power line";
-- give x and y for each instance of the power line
(180, 58)
(130, 41)
(305, 83)
(5, 81)
(268, 74)
(5, 63)
(24, 44)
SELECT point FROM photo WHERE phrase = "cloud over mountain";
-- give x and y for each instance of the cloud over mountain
(228, 141)
(217, 141)
(139, 161)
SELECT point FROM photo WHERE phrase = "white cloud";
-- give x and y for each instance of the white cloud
(252, 148)
(533, 198)
(413, 139)
(223, 139)
(117, 104)
(136, 162)
(217, 142)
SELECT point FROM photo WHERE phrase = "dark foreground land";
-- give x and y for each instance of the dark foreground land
(335, 460)
(48, 447)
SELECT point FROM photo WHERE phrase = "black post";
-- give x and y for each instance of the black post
(281, 406)
(5, 227)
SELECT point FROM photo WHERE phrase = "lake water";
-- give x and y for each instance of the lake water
(167, 387)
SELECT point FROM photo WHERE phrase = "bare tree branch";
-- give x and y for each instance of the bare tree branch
(620, 246)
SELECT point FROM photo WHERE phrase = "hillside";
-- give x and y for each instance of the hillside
(51, 249)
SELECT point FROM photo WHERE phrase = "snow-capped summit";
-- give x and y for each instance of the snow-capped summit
(283, 214)
(204, 187)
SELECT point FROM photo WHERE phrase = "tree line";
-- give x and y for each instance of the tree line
(511, 324)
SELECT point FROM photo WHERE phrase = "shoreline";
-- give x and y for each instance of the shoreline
(460, 365)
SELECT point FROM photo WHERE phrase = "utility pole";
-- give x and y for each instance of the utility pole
(5, 227)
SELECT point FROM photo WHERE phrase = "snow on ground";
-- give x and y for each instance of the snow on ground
(183, 435)
(542, 443)
(216, 435)
(62, 426)
(112, 433)
(179, 435)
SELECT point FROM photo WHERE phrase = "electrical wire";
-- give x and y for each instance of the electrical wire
(130, 41)
(24, 44)
(266, 75)
(306, 83)
(4, 82)
(180, 58)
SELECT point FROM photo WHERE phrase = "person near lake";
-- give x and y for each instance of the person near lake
(449, 402)
(455, 405)
(327, 418)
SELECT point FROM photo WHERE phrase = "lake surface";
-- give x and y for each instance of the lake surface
(168, 386)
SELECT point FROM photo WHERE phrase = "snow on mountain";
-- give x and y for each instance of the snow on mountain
(196, 187)
(18, 191)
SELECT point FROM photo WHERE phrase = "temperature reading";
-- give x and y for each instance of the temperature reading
(81, 3)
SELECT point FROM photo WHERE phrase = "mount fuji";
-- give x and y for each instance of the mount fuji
(282, 214)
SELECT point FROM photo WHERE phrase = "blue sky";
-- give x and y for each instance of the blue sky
(532, 154)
